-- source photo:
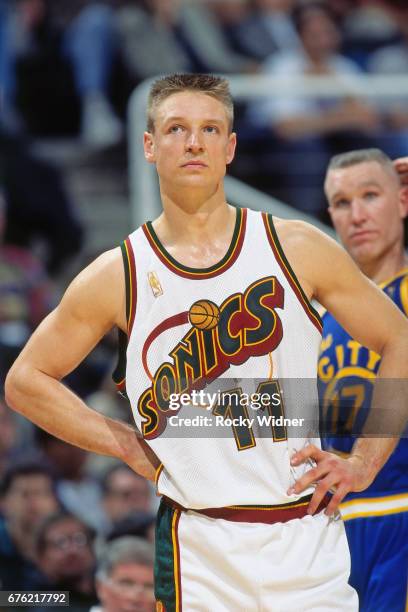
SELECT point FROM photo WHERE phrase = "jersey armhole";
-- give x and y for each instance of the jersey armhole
(290, 275)
(403, 290)
(119, 374)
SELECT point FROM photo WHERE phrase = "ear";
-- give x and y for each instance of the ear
(403, 202)
(100, 589)
(231, 146)
(148, 146)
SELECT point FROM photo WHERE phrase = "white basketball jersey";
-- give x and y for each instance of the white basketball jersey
(202, 340)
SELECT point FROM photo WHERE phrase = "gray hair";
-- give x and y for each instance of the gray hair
(127, 549)
(359, 156)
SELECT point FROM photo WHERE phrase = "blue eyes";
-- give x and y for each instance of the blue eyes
(209, 129)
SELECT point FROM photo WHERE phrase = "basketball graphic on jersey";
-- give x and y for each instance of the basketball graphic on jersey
(204, 314)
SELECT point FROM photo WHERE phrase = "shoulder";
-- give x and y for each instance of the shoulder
(315, 257)
(106, 268)
(99, 289)
(299, 241)
(297, 236)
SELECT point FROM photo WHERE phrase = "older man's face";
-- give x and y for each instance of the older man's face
(129, 588)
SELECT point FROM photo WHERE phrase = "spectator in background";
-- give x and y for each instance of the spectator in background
(55, 78)
(310, 129)
(27, 496)
(15, 438)
(366, 26)
(8, 435)
(65, 557)
(230, 14)
(124, 577)
(26, 295)
(139, 524)
(267, 30)
(38, 210)
(79, 492)
(124, 492)
(159, 36)
(393, 60)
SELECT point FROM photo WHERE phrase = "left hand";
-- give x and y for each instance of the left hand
(331, 473)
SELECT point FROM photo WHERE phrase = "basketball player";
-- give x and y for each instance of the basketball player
(367, 206)
(204, 292)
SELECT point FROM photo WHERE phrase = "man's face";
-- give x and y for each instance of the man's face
(128, 589)
(366, 209)
(319, 34)
(191, 144)
(67, 553)
(126, 492)
(29, 499)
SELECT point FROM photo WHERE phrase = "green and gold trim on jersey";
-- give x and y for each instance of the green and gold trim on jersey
(119, 375)
(167, 575)
(200, 273)
(290, 275)
(157, 475)
(130, 283)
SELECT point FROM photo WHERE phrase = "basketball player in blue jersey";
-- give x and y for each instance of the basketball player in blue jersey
(202, 293)
(368, 205)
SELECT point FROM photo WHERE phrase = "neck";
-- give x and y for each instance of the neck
(192, 219)
(385, 267)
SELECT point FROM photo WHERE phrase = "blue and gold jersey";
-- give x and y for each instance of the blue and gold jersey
(346, 372)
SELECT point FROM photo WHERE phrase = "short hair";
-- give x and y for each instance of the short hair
(128, 549)
(40, 537)
(136, 523)
(26, 467)
(360, 156)
(216, 87)
(114, 469)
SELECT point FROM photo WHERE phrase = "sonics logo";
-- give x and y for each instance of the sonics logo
(245, 325)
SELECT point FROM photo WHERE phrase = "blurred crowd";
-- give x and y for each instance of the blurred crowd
(67, 68)
(67, 524)
(69, 520)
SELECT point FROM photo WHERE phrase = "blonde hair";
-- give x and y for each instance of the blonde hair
(216, 87)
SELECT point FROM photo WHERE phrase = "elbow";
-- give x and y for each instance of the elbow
(13, 388)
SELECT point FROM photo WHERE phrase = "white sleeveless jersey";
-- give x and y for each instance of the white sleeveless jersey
(242, 326)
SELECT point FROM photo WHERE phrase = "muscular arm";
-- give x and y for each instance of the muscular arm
(92, 305)
(329, 275)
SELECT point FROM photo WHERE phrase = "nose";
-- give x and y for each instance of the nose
(358, 212)
(194, 143)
